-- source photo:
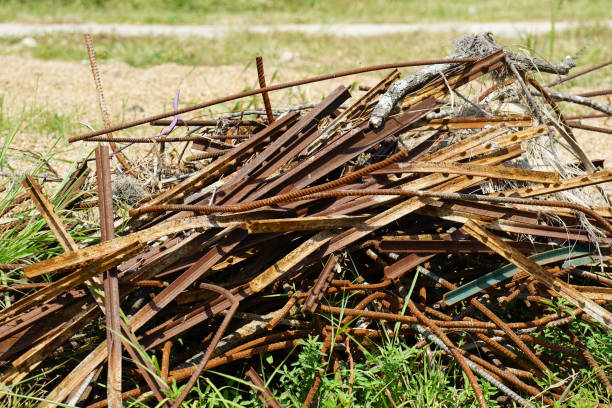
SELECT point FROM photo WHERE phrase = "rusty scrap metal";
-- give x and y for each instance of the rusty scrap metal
(279, 217)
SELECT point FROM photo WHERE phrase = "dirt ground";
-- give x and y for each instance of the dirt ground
(67, 88)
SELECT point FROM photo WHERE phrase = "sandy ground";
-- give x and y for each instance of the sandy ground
(67, 88)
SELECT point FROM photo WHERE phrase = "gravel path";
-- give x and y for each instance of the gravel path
(210, 31)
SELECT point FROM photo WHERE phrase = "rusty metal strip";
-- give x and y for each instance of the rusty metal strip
(536, 271)
(37, 330)
(73, 186)
(37, 313)
(111, 283)
(46, 210)
(259, 387)
(594, 292)
(165, 365)
(302, 224)
(486, 119)
(321, 284)
(516, 222)
(484, 211)
(469, 169)
(454, 246)
(34, 356)
(473, 123)
(105, 195)
(561, 185)
(399, 268)
(290, 260)
(544, 231)
(488, 140)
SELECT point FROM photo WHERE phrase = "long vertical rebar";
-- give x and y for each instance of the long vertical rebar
(101, 101)
(262, 84)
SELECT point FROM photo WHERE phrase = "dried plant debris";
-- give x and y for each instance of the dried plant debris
(417, 213)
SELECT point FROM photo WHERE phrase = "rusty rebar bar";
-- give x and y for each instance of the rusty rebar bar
(579, 73)
(453, 350)
(269, 89)
(101, 101)
(262, 84)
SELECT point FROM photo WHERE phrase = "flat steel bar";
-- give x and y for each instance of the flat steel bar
(88, 254)
(302, 224)
(46, 210)
(111, 281)
(561, 185)
(436, 124)
(468, 169)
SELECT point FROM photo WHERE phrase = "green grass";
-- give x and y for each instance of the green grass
(295, 11)
(32, 240)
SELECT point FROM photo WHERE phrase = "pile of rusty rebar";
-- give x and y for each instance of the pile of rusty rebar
(453, 229)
